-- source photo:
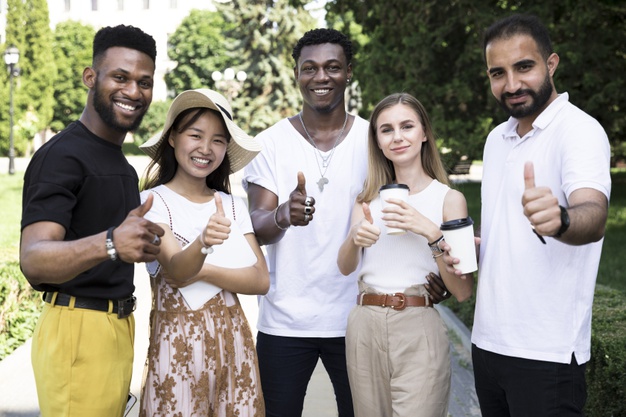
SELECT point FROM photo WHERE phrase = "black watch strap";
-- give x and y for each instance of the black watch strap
(564, 222)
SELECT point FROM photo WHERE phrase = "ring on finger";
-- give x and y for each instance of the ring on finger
(156, 240)
(307, 217)
(308, 210)
(445, 293)
(308, 201)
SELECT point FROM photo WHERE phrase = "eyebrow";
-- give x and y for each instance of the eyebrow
(311, 61)
(521, 63)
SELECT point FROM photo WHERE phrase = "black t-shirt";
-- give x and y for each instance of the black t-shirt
(85, 184)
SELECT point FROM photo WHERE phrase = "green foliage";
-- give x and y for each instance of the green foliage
(72, 53)
(606, 371)
(28, 28)
(19, 304)
(19, 308)
(433, 50)
(199, 48)
(152, 122)
(265, 34)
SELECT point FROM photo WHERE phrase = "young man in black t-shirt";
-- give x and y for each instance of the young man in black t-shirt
(82, 230)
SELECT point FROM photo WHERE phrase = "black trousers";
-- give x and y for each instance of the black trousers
(286, 365)
(514, 387)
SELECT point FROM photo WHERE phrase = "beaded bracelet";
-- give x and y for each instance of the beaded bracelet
(206, 250)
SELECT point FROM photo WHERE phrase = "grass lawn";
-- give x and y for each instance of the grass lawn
(10, 215)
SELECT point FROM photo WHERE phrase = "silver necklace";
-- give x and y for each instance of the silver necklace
(325, 160)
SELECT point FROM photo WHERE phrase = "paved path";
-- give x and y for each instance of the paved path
(18, 397)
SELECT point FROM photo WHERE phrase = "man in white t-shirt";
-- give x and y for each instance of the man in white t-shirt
(545, 193)
(301, 189)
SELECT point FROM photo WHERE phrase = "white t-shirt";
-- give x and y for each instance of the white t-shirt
(397, 262)
(188, 218)
(308, 296)
(534, 300)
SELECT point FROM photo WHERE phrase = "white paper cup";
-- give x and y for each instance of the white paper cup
(398, 191)
(459, 234)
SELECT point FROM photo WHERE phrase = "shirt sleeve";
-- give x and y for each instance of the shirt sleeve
(260, 170)
(158, 212)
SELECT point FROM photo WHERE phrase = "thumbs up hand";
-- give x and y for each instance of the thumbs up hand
(365, 233)
(217, 229)
(540, 206)
(138, 239)
(301, 207)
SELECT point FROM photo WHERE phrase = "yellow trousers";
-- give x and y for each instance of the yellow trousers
(83, 362)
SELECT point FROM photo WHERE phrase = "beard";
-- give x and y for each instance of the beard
(106, 111)
(539, 100)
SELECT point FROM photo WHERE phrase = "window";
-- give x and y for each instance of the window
(67, 5)
(94, 5)
(120, 4)
(173, 4)
(146, 4)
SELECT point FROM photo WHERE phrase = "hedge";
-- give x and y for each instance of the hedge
(606, 371)
(19, 308)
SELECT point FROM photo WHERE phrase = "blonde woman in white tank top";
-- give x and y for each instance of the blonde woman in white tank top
(396, 344)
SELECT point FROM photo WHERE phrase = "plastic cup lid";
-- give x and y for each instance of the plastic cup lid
(390, 186)
(457, 224)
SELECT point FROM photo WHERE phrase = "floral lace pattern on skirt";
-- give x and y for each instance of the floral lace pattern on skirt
(200, 362)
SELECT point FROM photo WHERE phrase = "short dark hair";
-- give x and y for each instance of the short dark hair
(320, 36)
(519, 24)
(124, 36)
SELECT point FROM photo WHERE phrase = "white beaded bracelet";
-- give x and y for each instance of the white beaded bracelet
(206, 250)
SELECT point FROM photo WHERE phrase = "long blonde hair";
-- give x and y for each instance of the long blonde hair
(380, 169)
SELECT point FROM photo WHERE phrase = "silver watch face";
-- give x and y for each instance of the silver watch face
(435, 249)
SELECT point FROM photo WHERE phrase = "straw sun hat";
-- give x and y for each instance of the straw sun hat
(241, 148)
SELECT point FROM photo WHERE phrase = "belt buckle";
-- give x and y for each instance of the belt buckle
(402, 298)
(126, 307)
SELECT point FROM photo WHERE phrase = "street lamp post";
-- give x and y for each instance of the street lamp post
(230, 82)
(11, 57)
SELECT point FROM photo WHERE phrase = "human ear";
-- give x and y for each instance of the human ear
(89, 77)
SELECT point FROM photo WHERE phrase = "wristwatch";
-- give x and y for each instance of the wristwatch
(434, 246)
(564, 222)
(110, 246)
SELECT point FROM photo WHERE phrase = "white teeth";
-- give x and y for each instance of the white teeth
(321, 91)
(200, 161)
(125, 106)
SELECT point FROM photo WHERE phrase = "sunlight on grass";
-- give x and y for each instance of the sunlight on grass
(11, 203)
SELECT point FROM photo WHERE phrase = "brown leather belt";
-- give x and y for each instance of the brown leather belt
(397, 301)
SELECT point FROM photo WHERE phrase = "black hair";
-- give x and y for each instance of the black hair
(320, 36)
(124, 36)
(163, 166)
(519, 24)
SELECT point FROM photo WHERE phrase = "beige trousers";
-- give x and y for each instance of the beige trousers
(398, 361)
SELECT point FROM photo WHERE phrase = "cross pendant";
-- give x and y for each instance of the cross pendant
(323, 181)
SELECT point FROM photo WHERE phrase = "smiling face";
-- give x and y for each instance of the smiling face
(520, 78)
(200, 148)
(322, 74)
(400, 134)
(120, 83)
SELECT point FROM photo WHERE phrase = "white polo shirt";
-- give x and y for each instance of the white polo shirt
(534, 300)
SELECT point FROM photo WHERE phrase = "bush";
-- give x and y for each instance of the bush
(20, 306)
(606, 371)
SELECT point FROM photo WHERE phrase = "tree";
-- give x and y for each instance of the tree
(28, 28)
(433, 50)
(152, 122)
(199, 48)
(72, 46)
(265, 33)
(38, 68)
